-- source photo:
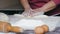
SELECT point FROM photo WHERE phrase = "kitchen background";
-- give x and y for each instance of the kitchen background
(14, 6)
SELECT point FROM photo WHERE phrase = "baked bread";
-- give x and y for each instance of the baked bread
(41, 29)
(5, 27)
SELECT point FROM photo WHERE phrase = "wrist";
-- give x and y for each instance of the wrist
(28, 9)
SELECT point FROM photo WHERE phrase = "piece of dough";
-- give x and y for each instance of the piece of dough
(28, 24)
(4, 17)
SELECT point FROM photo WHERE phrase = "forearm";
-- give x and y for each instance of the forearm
(49, 6)
(25, 4)
(48, 9)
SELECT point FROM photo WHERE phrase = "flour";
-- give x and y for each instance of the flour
(29, 24)
(4, 17)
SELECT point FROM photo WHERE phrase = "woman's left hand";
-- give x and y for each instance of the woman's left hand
(28, 12)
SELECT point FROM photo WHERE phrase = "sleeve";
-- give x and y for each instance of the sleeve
(57, 2)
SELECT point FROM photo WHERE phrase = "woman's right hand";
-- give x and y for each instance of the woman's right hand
(27, 12)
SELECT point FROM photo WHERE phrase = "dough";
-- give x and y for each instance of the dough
(4, 17)
(29, 24)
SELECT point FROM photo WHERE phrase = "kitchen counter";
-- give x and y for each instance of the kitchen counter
(51, 20)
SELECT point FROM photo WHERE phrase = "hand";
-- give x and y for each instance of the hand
(28, 12)
(37, 12)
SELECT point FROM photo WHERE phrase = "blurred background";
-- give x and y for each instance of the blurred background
(14, 6)
(11, 6)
